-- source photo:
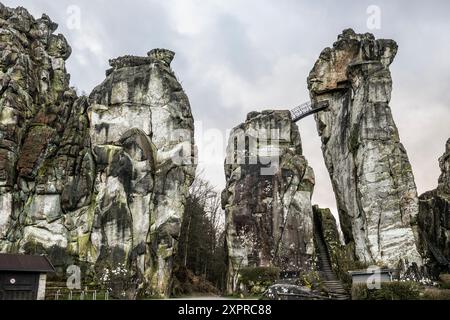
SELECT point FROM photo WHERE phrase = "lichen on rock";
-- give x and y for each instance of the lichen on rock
(341, 257)
(267, 198)
(369, 168)
(99, 180)
(141, 131)
(434, 220)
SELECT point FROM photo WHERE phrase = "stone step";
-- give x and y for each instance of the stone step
(335, 287)
(339, 297)
(342, 294)
(337, 290)
(338, 293)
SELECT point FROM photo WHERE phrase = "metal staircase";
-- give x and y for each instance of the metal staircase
(308, 108)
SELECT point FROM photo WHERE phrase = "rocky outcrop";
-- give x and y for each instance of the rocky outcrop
(369, 168)
(36, 104)
(267, 198)
(340, 257)
(99, 180)
(141, 131)
(434, 219)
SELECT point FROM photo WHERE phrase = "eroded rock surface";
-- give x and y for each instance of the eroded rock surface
(37, 110)
(100, 180)
(341, 257)
(267, 199)
(369, 168)
(434, 219)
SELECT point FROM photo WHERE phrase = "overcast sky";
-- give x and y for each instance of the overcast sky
(234, 57)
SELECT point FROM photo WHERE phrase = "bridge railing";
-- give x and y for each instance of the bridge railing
(307, 109)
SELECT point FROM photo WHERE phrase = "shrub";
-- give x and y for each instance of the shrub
(444, 281)
(257, 279)
(120, 281)
(396, 290)
(311, 280)
(259, 274)
(436, 294)
(185, 282)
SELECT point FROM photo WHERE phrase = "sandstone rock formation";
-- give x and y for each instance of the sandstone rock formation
(141, 131)
(369, 168)
(341, 257)
(36, 104)
(100, 180)
(267, 198)
(434, 219)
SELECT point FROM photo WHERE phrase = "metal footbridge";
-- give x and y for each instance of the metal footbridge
(308, 108)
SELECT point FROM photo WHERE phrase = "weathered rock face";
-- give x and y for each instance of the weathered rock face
(341, 256)
(141, 131)
(369, 168)
(268, 196)
(434, 219)
(36, 103)
(100, 180)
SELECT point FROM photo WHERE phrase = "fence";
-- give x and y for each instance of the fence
(67, 294)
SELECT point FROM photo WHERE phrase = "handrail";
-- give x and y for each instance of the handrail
(308, 108)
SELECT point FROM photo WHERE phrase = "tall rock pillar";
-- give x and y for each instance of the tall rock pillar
(267, 199)
(368, 166)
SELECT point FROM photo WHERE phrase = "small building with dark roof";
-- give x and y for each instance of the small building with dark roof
(23, 277)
